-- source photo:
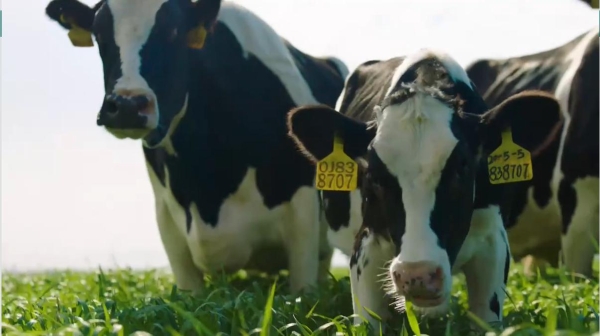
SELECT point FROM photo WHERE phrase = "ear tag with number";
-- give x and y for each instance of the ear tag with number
(196, 37)
(509, 162)
(79, 37)
(337, 171)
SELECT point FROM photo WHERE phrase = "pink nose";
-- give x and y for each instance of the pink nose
(421, 282)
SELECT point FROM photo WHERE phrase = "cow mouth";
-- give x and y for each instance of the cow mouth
(427, 301)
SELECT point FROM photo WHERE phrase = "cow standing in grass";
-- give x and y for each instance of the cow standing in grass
(206, 87)
(425, 208)
(562, 198)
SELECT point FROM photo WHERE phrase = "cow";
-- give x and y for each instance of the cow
(424, 208)
(559, 208)
(206, 87)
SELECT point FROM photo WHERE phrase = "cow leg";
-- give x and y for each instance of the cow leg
(187, 275)
(486, 275)
(579, 242)
(368, 263)
(301, 236)
(325, 249)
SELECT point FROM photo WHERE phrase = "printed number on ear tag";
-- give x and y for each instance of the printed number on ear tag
(337, 171)
(196, 37)
(509, 162)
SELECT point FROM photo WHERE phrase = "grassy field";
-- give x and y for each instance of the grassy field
(122, 302)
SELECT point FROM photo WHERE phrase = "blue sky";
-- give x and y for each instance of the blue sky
(74, 196)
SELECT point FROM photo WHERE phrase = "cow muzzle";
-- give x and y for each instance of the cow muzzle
(421, 283)
(129, 114)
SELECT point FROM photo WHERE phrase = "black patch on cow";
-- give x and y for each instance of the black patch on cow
(188, 220)
(506, 264)
(337, 208)
(567, 199)
(495, 305)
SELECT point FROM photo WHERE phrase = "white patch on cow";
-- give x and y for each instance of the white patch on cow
(245, 225)
(256, 37)
(368, 287)
(173, 237)
(579, 244)
(343, 239)
(455, 71)
(414, 141)
(482, 259)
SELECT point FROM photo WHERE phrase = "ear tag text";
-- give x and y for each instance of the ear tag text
(79, 37)
(337, 171)
(509, 162)
(196, 37)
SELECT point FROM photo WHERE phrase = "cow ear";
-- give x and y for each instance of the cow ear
(201, 18)
(534, 117)
(75, 16)
(313, 129)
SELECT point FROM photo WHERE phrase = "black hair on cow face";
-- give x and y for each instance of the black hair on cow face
(145, 47)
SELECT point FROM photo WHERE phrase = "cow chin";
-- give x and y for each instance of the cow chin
(427, 284)
(134, 134)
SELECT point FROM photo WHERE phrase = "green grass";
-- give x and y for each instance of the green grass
(121, 302)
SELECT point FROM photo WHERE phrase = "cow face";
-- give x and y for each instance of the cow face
(424, 155)
(145, 48)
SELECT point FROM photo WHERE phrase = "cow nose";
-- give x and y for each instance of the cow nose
(421, 282)
(123, 111)
(117, 104)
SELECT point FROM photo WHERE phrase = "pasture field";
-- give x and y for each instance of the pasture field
(123, 302)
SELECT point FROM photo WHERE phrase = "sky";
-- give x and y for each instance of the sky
(75, 197)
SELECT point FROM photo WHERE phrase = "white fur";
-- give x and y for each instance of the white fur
(414, 141)
(368, 288)
(482, 259)
(455, 71)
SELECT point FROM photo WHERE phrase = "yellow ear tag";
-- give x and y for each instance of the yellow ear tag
(196, 37)
(79, 37)
(509, 162)
(337, 171)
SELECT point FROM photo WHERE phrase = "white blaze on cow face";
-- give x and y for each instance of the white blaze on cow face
(414, 140)
(133, 21)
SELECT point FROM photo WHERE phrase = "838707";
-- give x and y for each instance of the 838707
(509, 172)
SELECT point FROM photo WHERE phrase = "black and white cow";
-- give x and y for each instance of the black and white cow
(562, 198)
(425, 208)
(231, 189)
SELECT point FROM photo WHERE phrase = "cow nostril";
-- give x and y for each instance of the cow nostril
(141, 102)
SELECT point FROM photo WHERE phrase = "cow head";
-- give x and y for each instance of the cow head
(145, 49)
(424, 154)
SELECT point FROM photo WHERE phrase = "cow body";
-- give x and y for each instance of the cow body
(562, 198)
(231, 190)
(425, 208)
